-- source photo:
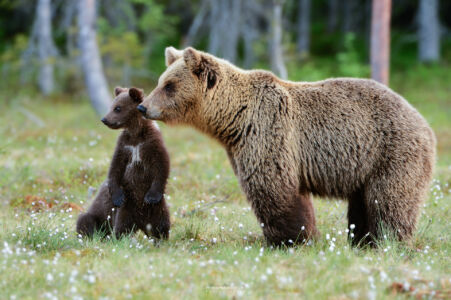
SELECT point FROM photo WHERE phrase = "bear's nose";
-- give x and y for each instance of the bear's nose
(142, 109)
(104, 121)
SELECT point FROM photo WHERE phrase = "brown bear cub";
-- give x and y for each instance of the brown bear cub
(346, 138)
(136, 179)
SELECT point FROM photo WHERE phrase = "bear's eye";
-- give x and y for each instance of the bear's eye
(117, 109)
(169, 87)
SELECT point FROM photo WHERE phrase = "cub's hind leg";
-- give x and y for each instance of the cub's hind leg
(99, 216)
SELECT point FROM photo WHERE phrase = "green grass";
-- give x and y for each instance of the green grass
(216, 249)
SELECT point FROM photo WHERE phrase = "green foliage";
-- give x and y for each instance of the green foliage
(349, 61)
(11, 62)
(123, 49)
(13, 53)
(44, 233)
(130, 52)
(154, 21)
(404, 50)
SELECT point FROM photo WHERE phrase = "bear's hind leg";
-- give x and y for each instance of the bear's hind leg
(358, 220)
(99, 215)
(393, 200)
(87, 224)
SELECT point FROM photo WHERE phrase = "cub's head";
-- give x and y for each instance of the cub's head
(123, 112)
(190, 78)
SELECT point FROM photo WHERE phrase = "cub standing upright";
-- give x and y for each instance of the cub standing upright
(137, 176)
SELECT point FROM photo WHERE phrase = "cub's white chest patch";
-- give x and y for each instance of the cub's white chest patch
(136, 156)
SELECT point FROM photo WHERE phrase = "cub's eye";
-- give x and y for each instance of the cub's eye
(117, 109)
(169, 87)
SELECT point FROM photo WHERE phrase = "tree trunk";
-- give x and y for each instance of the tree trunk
(214, 39)
(45, 46)
(304, 27)
(250, 31)
(199, 19)
(349, 15)
(250, 35)
(380, 40)
(91, 62)
(68, 17)
(232, 30)
(277, 63)
(428, 31)
(332, 19)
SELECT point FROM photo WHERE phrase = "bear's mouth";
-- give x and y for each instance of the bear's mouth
(154, 114)
(115, 125)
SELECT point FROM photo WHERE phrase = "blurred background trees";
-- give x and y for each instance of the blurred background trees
(41, 46)
(90, 60)
(66, 46)
(428, 31)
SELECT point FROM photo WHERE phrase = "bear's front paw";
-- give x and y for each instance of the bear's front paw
(118, 197)
(153, 197)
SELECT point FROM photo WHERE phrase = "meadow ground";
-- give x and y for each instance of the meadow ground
(59, 154)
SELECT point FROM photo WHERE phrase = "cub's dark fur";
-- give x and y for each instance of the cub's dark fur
(133, 196)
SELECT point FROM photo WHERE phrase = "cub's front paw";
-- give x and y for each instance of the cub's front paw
(153, 197)
(118, 197)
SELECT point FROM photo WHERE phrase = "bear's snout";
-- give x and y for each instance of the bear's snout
(142, 109)
(109, 124)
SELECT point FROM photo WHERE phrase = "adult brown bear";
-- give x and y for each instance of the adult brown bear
(346, 138)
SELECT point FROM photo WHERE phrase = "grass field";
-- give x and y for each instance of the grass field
(51, 162)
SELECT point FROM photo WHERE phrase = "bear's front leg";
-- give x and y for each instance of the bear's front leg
(286, 216)
(154, 194)
(116, 173)
(157, 221)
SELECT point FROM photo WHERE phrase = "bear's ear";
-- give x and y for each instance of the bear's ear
(172, 55)
(201, 65)
(118, 90)
(136, 94)
(192, 59)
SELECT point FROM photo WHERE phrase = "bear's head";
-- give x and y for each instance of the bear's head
(123, 112)
(184, 88)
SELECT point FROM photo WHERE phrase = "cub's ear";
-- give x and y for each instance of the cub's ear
(136, 94)
(204, 67)
(172, 55)
(118, 90)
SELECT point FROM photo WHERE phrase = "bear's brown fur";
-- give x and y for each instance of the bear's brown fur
(137, 176)
(346, 138)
